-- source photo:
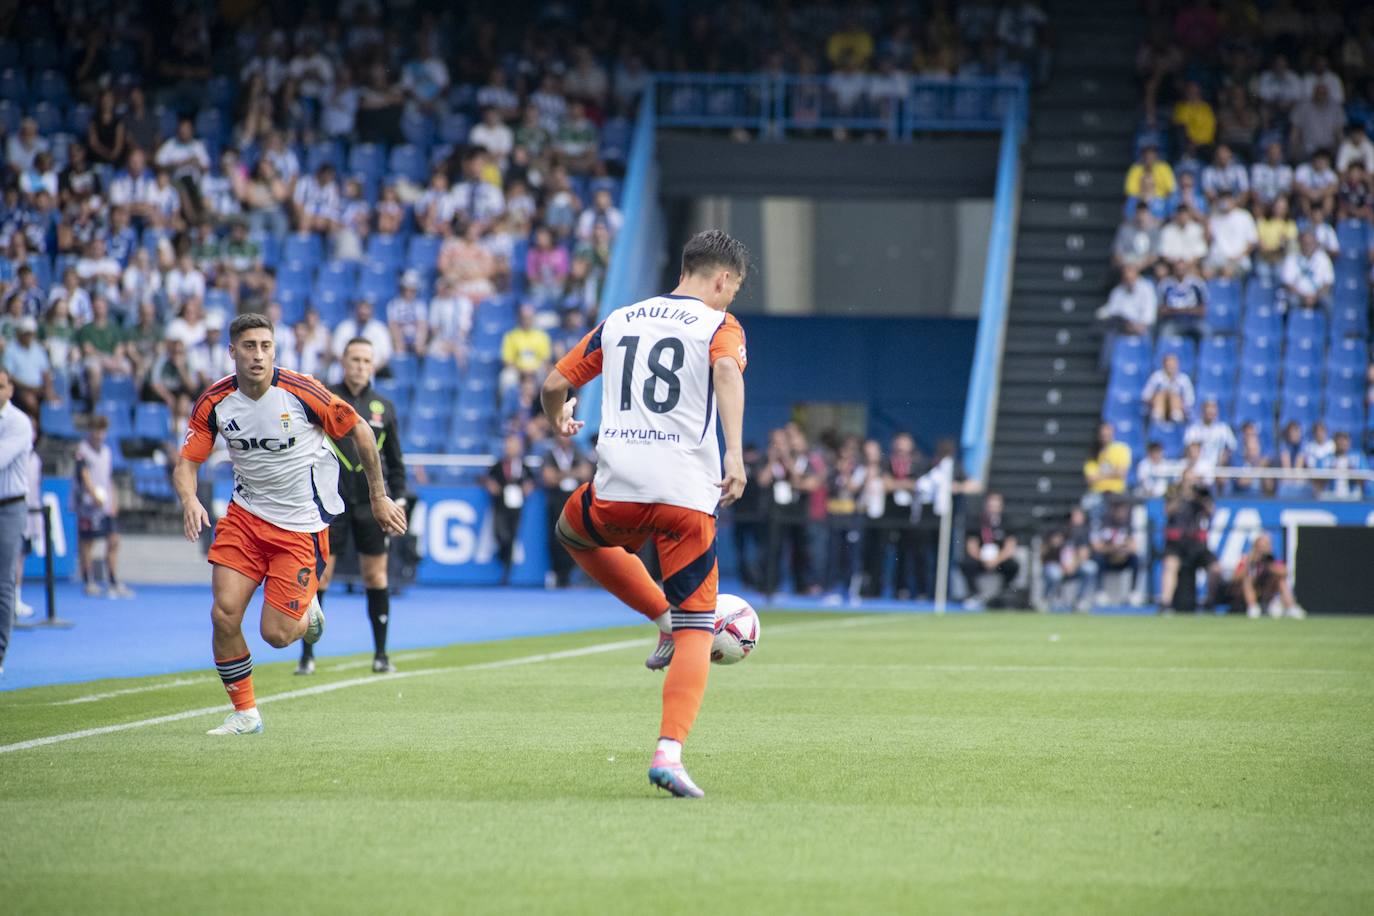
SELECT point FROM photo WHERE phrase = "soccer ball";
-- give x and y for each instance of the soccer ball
(737, 630)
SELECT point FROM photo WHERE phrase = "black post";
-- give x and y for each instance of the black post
(51, 620)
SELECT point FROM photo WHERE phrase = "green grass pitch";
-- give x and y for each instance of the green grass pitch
(887, 763)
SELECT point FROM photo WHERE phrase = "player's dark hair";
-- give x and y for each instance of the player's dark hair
(247, 322)
(714, 249)
(357, 340)
(100, 421)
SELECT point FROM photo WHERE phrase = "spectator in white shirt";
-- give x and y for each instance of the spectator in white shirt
(407, 317)
(1321, 75)
(135, 187)
(339, 112)
(1137, 241)
(189, 326)
(1234, 237)
(97, 269)
(424, 78)
(1317, 184)
(1131, 307)
(1168, 392)
(1183, 239)
(476, 199)
(140, 281)
(586, 80)
(185, 157)
(1307, 274)
(317, 202)
(22, 148)
(888, 86)
(493, 135)
(1271, 178)
(364, 324)
(1225, 176)
(603, 211)
(312, 70)
(450, 321)
(1356, 147)
(1213, 434)
(1316, 124)
(1153, 473)
(496, 94)
(1279, 87)
(184, 281)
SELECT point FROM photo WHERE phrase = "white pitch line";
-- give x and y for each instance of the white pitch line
(367, 662)
(595, 649)
(126, 691)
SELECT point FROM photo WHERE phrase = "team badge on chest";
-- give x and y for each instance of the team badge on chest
(286, 422)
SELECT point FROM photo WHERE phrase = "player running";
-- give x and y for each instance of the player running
(665, 363)
(286, 490)
(356, 520)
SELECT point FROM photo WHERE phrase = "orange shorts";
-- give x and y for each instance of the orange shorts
(685, 538)
(291, 561)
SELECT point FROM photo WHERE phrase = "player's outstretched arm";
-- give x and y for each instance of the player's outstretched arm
(194, 518)
(558, 407)
(729, 382)
(390, 516)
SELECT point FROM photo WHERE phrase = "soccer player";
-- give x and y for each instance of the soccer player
(286, 490)
(357, 520)
(96, 509)
(666, 363)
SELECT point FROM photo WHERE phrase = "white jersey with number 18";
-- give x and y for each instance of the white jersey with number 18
(657, 441)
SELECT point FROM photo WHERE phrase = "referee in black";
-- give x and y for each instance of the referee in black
(357, 521)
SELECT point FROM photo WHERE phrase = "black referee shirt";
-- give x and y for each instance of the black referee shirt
(380, 414)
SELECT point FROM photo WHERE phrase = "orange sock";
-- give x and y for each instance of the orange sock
(237, 675)
(622, 574)
(685, 683)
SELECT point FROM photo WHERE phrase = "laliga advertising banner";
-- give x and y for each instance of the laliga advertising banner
(57, 495)
(1236, 522)
(452, 526)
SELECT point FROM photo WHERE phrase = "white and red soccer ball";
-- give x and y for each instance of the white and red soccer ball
(737, 630)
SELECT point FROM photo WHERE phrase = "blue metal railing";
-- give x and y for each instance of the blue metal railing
(981, 402)
(776, 105)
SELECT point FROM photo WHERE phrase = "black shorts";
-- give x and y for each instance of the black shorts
(94, 527)
(1190, 552)
(362, 527)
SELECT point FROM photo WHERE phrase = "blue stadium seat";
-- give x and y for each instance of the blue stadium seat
(1352, 234)
(387, 249)
(404, 368)
(418, 129)
(120, 415)
(1306, 351)
(48, 117)
(1346, 378)
(1349, 352)
(1345, 413)
(78, 119)
(377, 281)
(336, 276)
(118, 387)
(51, 86)
(477, 388)
(408, 160)
(296, 276)
(1223, 306)
(152, 480)
(1216, 382)
(1121, 404)
(324, 152)
(422, 251)
(441, 371)
(422, 441)
(1219, 351)
(11, 113)
(293, 303)
(454, 128)
(212, 125)
(58, 420)
(1131, 349)
(305, 247)
(1254, 407)
(221, 92)
(152, 421)
(1170, 435)
(1261, 321)
(1301, 378)
(41, 54)
(1349, 319)
(1259, 294)
(331, 305)
(467, 445)
(1130, 430)
(1259, 349)
(9, 54)
(1183, 348)
(397, 390)
(367, 158)
(1306, 323)
(1351, 290)
(270, 246)
(219, 300)
(1299, 407)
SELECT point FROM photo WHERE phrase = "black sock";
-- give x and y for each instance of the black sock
(379, 613)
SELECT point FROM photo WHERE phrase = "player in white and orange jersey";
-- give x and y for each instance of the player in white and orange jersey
(286, 489)
(667, 365)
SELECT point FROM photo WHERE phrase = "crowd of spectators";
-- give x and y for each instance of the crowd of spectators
(1242, 305)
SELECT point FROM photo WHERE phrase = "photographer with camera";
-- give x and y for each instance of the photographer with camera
(1189, 515)
(1261, 583)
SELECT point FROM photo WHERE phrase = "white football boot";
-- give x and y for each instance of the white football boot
(240, 723)
(316, 628)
